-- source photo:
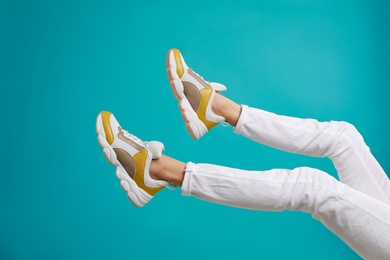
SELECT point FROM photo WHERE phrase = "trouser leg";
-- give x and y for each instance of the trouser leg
(339, 141)
(360, 220)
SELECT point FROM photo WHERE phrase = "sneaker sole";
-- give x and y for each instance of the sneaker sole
(194, 125)
(136, 195)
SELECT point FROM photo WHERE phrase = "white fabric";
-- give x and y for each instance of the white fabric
(156, 148)
(357, 208)
(218, 86)
(210, 115)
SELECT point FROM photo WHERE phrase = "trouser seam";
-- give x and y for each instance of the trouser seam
(365, 210)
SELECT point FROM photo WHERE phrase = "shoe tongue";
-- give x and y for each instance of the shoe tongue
(217, 86)
(156, 148)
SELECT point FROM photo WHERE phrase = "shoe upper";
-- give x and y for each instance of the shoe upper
(134, 155)
(199, 92)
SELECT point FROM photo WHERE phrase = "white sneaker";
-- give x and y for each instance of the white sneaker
(132, 158)
(195, 95)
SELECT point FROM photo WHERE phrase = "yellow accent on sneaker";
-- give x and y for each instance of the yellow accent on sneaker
(205, 95)
(140, 161)
(179, 65)
(107, 127)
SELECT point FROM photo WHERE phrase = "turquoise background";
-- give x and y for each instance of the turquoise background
(62, 62)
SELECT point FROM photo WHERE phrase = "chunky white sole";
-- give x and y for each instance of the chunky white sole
(194, 125)
(136, 195)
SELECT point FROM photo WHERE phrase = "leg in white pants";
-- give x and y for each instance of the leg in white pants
(339, 141)
(356, 209)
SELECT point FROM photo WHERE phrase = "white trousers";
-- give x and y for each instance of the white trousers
(356, 208)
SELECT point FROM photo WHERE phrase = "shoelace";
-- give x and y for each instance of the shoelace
(171, 186)
(134, 138)
(208, 82)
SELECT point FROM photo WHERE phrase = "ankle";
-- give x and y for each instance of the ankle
(218, 104)
(226, 108)
(157, 170)
(167, 169)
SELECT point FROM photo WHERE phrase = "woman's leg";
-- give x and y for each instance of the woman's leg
(339, 141)
(360, 220)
